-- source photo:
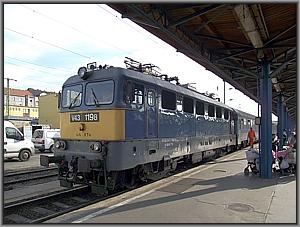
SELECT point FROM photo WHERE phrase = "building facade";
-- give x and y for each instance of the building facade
(48, 110)
(21, 108)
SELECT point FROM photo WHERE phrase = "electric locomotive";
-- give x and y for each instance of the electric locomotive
(120, 126)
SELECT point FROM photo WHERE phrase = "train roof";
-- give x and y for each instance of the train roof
(244, 114)
(116, 72)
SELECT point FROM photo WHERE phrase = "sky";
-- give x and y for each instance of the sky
(44, 44)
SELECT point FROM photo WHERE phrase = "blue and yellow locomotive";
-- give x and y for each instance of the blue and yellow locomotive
(120, 126)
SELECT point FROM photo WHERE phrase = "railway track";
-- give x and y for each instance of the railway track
(28, 177)
(42, 208)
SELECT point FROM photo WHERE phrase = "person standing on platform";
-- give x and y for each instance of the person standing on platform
(284, 137)
(251, 137)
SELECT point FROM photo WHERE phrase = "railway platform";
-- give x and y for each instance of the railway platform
(215, 192)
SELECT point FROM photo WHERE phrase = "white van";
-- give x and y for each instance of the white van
(15, 146)
(43, 139)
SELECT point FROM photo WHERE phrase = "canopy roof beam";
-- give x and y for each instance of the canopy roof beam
(194, 15)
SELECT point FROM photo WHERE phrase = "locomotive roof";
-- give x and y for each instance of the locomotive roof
(116, 72)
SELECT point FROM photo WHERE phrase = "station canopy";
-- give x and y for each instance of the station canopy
(231, 40)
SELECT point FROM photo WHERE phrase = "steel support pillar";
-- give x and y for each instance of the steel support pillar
(288, 125)
(266, 122)
(280, 121)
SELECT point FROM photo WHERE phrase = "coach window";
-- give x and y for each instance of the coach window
(199, 108)
(179, 103)
(168, 100)
(188, 105)
(226, 115)
(211, 111)
(218, 112)
(151, 98)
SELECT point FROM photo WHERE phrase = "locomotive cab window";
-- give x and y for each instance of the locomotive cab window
(168, 100)
(99, 93)
(199, 108)
(188, 105)
(218, 112)
(71, 96)
(211, 111)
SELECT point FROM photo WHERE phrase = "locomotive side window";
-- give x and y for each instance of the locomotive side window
(218, 112)
(199, 108)
(151, 98)
(138, 94)
(211, 111)
(71, 96)
(188, 105)
(168, 100)
(226, 115)
(133, 93)
(99, 93)
(179, 102)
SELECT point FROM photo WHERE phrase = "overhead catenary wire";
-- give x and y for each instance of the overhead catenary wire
(48, 43)
(124, 22)
(75, 29)
(22, 66)
(32, 63)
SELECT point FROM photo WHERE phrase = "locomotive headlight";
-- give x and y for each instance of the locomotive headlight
(63, 145)
(60, 145)
(82, 72)
(97, 146)
(57, 144)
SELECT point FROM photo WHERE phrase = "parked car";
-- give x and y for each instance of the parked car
(43, 139)
(15, 146)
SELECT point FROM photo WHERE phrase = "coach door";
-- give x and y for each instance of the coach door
(151, 113)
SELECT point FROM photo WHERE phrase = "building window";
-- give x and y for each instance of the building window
(211, 111)
(168, 100)
(218, 112)
(188, 105)
(199, 108)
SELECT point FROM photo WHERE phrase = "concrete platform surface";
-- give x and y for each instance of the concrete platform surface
(216, 192)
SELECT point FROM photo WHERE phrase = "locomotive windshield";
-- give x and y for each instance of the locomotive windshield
(71, 96)
(97, 93)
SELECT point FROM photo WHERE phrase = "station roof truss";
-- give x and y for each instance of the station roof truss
(231, 40)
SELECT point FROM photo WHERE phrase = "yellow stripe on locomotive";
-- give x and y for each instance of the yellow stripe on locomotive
(93, 125)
